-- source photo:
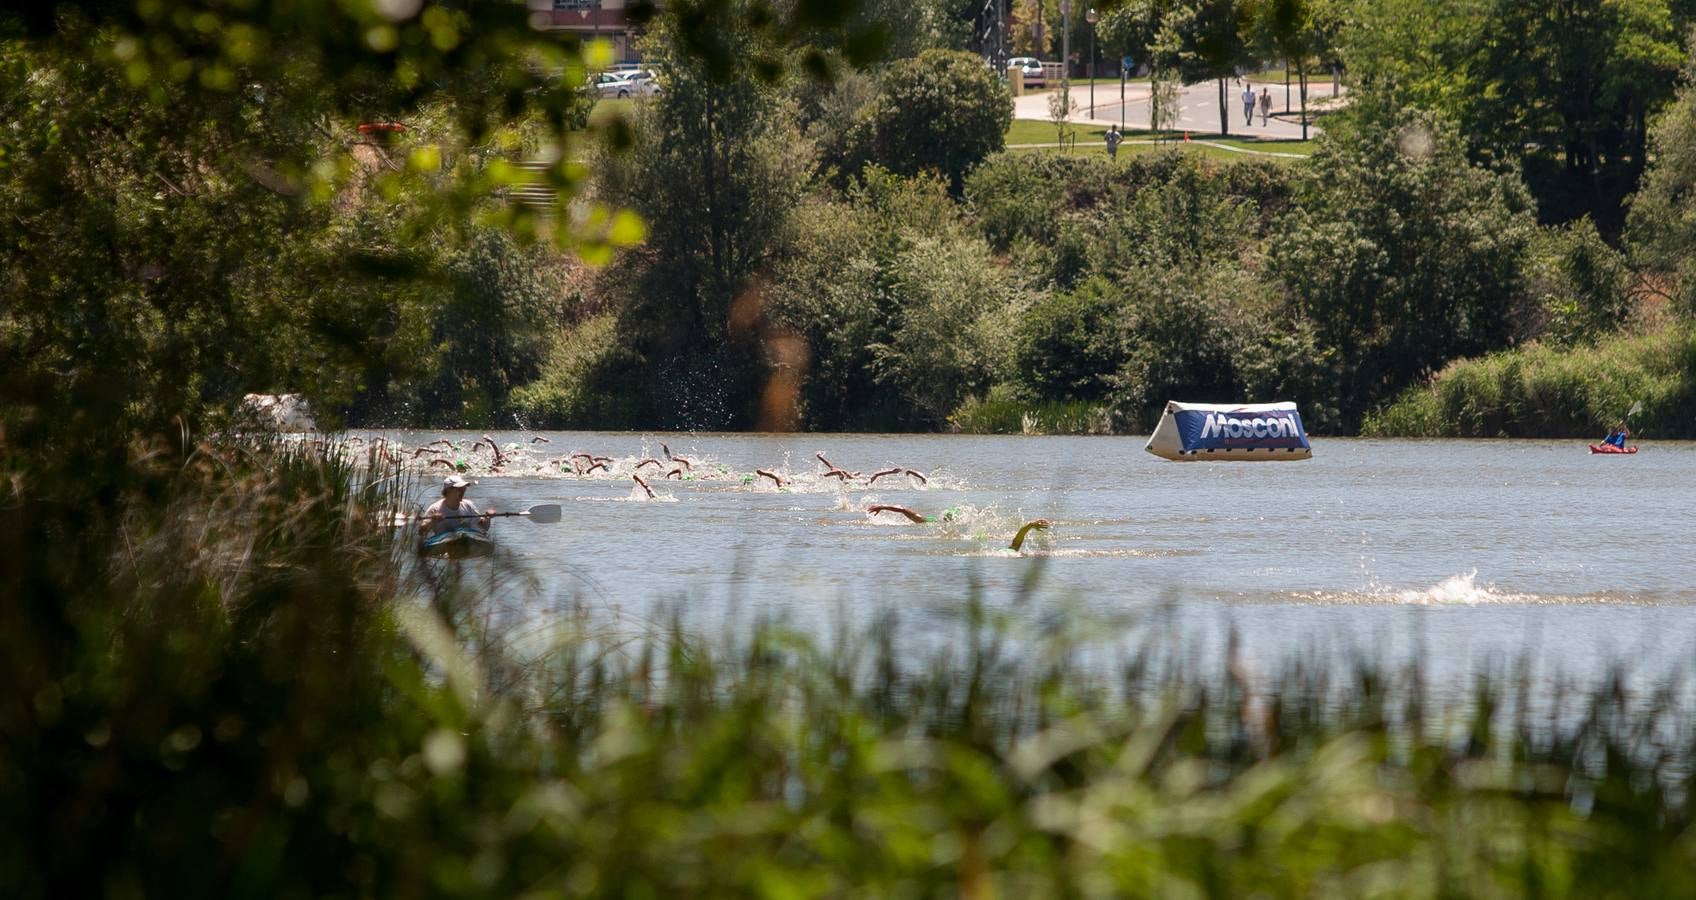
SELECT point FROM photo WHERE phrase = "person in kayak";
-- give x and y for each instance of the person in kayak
(453, 510)
(1618, 435)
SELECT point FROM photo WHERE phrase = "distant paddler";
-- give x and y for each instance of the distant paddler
(1617, 436)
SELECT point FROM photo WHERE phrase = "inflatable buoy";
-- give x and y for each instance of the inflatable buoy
(1212, 431)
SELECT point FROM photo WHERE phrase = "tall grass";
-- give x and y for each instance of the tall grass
(1541, 391)
(1001, 412)
(234, 684)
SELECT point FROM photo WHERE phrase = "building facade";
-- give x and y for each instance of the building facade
(604, 19)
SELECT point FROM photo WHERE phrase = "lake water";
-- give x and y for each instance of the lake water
(1459, 551)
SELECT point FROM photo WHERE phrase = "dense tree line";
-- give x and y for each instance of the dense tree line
(902, 284)
(824, 241)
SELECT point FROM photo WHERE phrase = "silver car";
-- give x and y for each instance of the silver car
(624, 84)
(1032, 67)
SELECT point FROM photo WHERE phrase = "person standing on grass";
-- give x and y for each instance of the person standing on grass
(1113, 139)
(1265, 105)
(1248, 103)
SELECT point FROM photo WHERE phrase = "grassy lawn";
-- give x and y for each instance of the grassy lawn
(610, 106)
(1130, 149)
(1090, 139)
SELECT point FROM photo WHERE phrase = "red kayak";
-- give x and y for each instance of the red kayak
(1610, 448)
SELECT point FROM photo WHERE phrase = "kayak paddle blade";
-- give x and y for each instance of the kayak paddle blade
(544, 515)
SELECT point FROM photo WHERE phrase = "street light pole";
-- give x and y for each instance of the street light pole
(1090, 18)
(1066, 55)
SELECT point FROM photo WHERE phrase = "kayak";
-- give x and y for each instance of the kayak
(1610, 448)
(460, 543)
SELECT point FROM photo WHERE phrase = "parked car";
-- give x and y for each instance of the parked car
(1032, 67)
(641, 84)
(606, 84)
(623, 84)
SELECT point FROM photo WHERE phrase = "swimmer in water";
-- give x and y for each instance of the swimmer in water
(500, 459)
(1026, 529)
(644, 486)
(902, 510)
(881, 473)
(831, 468)
(776, 479)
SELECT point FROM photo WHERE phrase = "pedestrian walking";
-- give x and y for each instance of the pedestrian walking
(1248, 104)
(1113, 139)
(1265, 105)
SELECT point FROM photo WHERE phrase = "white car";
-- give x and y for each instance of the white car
(1032, 68)
(624, 84)
(641, 83)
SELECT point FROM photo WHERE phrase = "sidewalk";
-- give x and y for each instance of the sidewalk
(1198, 109)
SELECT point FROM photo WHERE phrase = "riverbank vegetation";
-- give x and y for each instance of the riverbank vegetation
(1022, 285)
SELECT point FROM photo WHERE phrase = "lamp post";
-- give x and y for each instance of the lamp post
(1066, 55)
(1090, 18)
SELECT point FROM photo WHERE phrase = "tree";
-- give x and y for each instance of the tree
(1297, 30)
(1403, 255)
(718, 165)
(1661, 228)
(941, 111)
(1208, 39)
(1567, 89)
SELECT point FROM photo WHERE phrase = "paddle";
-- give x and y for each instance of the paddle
(544, 514)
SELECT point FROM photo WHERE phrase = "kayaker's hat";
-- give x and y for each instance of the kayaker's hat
(456, 482)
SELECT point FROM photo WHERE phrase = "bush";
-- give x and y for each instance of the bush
(571, 392)
(1547, 391)
(1186, 332)
(502, 305)
(1579, 286)
(904, 312)
(1070, 343)
(1007, 409)
(941, 111)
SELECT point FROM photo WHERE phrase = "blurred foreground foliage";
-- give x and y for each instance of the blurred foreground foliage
(242, 690)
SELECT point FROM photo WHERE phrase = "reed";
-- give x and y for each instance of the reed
(1541, 391)
(244, 687)
(998, 412)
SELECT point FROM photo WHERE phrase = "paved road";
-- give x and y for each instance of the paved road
(1198, 108)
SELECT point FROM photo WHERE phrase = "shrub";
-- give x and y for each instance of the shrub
(1007, 409)
(904, 311)
(941, 111)
(1579, 286)
(571, 391)
(1070, 343)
